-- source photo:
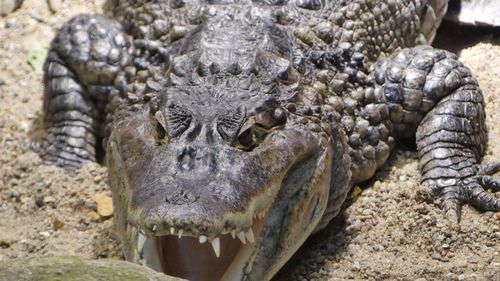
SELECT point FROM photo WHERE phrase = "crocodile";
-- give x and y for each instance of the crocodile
(234, 129)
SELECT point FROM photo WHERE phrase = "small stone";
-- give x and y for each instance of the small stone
(55, 5)
(23, 165)
(4, 244)
(57, 224)
(48, 200)
(10, 23)
(93, 216)
(44, 234)
(463, 263)
(461, 277)
(104, 205)
(355, 266)
(36, 16)
(39, 201)
(98, 178)
(445, 246)
(8, 6)
(366, 212)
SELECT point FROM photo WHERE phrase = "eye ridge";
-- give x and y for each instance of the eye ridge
(228, 125)
(175, 120)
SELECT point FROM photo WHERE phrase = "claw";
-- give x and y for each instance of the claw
(490, 182)
(452, 212)
(483, 200)
(490, 168)
(451, 204)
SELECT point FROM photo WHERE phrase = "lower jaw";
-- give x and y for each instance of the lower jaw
(189, 259)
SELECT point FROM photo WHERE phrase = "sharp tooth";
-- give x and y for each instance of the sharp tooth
(241, 236)
(141, 239)
(216, 246)
(180, 233)
(172, 230)
(249, 235)
(154, 228)
(233, 234)
(203, 239)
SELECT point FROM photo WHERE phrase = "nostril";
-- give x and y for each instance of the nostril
(181, 197)
(187, 158)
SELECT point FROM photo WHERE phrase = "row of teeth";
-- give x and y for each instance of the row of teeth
(243, 236)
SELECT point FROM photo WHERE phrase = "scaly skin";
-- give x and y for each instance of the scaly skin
(230, 116)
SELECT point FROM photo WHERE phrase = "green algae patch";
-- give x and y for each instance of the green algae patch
(77, 269)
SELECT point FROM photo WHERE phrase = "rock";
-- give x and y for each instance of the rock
(7, 238)
(8, 6)
(36, 16)
(23, 165)
(104, 205)
(355, 266)
(93, 216)
(57, 224)
(463, 263)
(77, 268)
(44, 234)
(39, 201)
(55, 5)
(10, 23)
(48, 200)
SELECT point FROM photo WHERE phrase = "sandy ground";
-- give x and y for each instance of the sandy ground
(389, 231)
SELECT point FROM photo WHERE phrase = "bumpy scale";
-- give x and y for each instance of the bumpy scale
(245, 123)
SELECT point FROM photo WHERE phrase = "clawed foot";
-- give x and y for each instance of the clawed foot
(472, 191)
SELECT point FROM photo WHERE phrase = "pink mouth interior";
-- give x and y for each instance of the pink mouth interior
(189, 259)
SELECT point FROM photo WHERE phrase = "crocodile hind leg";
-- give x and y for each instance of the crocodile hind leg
(81, 66)
(432, 94)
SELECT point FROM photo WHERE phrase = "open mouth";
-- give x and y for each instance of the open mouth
(200, 258)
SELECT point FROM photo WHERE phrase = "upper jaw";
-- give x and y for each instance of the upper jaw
(150, 245)
(153, 222)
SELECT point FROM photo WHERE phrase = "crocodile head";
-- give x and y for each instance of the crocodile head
(216, 183)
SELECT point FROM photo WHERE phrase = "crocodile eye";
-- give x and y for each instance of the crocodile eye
(256, 129)
(251, 136)
(245, 138)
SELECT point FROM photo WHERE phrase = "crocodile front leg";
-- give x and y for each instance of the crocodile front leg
(82, 64)
(429, 91)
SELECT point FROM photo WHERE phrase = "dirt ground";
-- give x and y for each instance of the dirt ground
(389, 229)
